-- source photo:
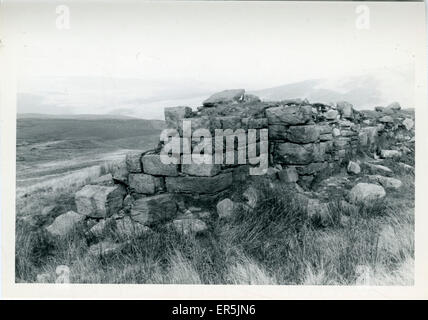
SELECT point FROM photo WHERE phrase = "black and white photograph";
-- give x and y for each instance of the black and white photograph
(213, 143)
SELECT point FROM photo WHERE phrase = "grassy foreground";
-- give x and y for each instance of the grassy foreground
(274, 243)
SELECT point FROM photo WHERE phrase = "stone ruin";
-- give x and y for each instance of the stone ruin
(308, 142)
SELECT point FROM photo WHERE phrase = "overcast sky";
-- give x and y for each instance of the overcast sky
(210, 45)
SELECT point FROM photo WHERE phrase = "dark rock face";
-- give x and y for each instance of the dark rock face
(293, 153)
(154, 209)
(303, 134)
(204, 185)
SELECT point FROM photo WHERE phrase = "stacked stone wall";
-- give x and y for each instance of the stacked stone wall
(305, 141)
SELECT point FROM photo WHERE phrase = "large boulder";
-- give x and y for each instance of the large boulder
(199, 185)
(366, 192)
(289, 115)
(225, 97)
(154, 209)
(99, 201)
(145, 183)
(153, 165)
(303, 134)
(65, 223)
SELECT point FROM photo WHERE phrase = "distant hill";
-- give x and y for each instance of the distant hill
(74, 116)
(363, 91)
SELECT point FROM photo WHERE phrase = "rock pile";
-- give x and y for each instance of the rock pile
(306, 141)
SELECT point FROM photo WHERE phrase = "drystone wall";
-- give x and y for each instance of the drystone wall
(305, 142)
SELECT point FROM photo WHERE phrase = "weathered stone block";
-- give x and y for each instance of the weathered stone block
(292, 153)
(303, 134)
(331, 114)
(65, 223)
(225, 97)
(153, 165)
(250, 123)
(325, 128)
(319, 151)
(145, 183)
(133, 161)
(326, 137)
(198, 185)
(277, 132)
(289, 115)
(99, 201)
(201, 170)
(173, 115)
(196, 123)
(119, 171)
(230, 122)
(154, 209)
